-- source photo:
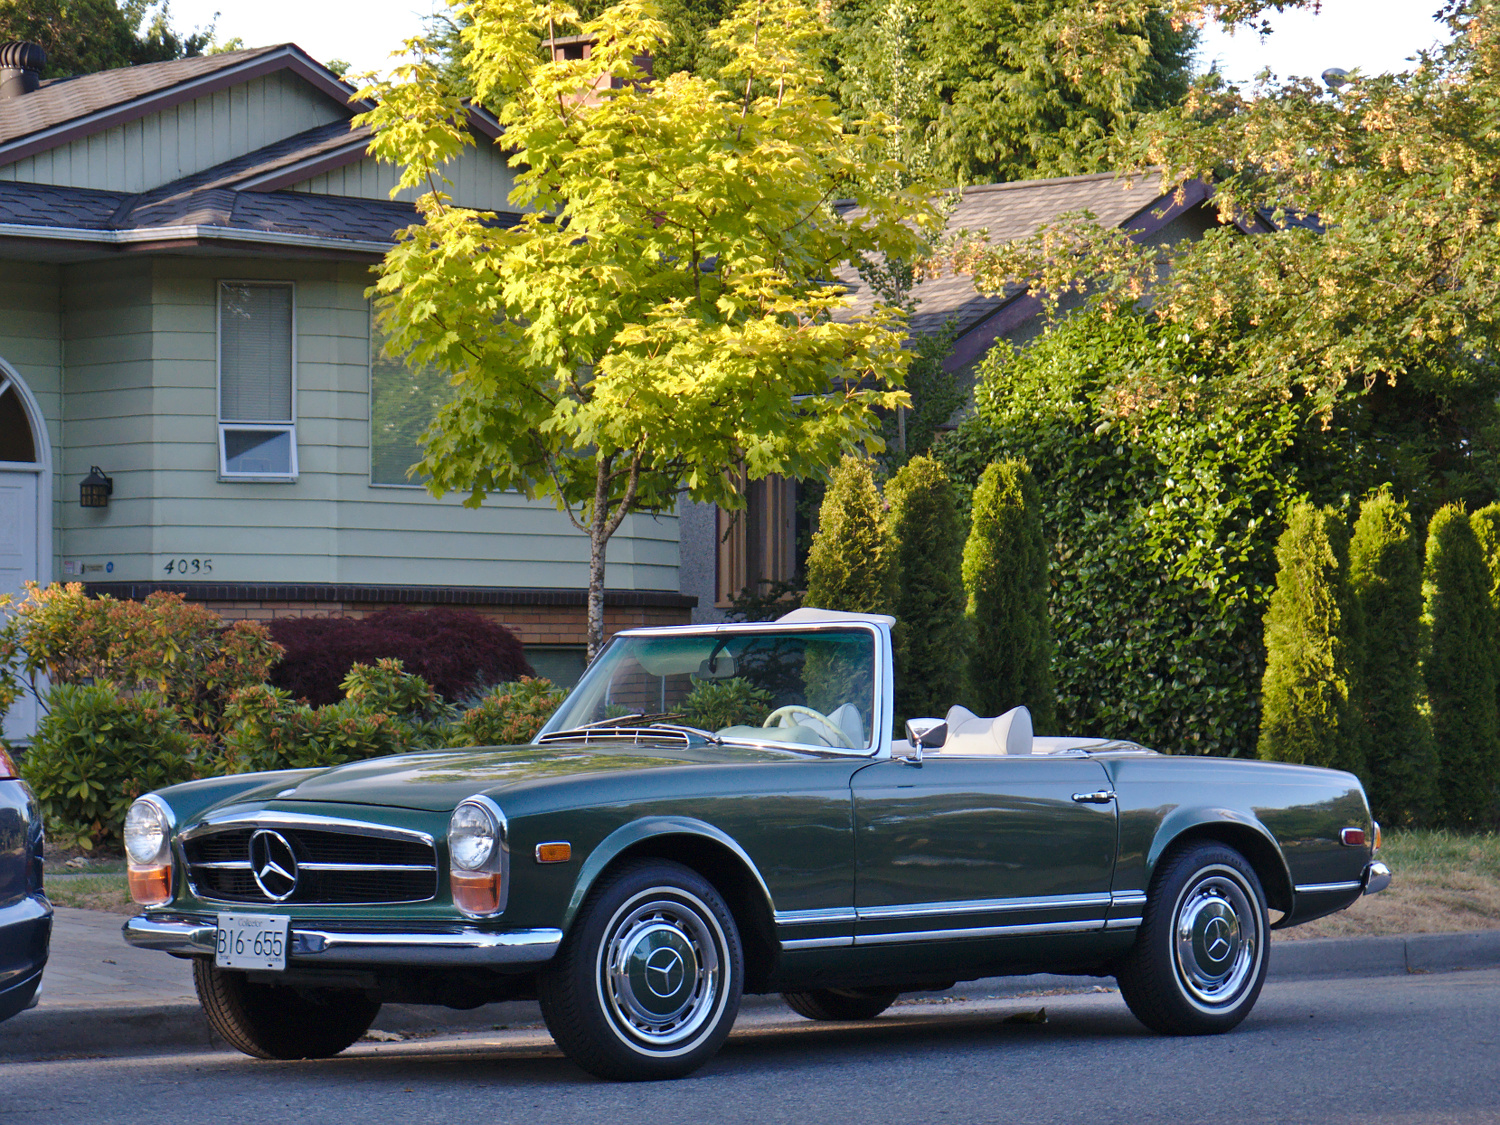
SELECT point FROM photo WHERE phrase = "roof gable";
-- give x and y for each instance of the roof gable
(65, 109)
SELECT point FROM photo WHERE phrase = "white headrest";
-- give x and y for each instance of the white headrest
(970, 734)
(1013, 731)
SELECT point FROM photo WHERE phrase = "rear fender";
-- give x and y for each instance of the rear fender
(1243, 832)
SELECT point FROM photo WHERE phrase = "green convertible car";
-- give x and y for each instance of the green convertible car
(721, 809)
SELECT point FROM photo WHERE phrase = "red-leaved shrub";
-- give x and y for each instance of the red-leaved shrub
(457, 651)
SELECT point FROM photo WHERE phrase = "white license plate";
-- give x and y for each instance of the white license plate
(252, 941)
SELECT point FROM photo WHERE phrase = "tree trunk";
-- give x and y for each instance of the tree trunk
(599, 532)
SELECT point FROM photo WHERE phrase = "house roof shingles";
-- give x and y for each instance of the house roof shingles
(1008, 212)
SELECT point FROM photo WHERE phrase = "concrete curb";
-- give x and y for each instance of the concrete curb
(143, 1028)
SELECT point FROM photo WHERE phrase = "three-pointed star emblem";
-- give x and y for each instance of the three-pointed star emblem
(274, 864)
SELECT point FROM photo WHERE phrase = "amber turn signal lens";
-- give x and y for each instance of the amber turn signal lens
(476, 894)
(1377, 835)
(554, 853)
(151, 886)
(1352, 837)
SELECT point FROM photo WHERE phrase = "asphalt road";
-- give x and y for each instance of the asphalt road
(1394, 1049)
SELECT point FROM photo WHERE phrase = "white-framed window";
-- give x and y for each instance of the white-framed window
(403, 402)
(257, 380)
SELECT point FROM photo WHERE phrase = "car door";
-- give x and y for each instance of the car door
(993, 846)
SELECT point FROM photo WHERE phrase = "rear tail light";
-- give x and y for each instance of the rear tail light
(8, 771)
(1352, 837)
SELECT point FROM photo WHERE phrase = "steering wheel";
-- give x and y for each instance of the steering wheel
(797, 712)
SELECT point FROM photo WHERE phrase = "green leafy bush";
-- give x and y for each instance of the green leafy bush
(851, 565)
(1460, 670)
(386, 688)
(735, 702)
(1312, 636)
(97, 751)
(269, 730)
(1005, 577)
(1161, 512)
(1385, 576)
(930, 605)
(165, 644)
(508, 714)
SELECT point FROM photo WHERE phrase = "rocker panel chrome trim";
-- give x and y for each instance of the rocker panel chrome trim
(1093, 924)
(982, 906)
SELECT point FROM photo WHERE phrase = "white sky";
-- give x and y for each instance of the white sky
(1375, 35)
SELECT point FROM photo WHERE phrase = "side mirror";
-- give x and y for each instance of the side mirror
(923, 734)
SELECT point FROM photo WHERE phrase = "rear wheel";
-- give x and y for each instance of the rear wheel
(271, 1021)
(647, 983)
(840, 1003)
(1199, 960)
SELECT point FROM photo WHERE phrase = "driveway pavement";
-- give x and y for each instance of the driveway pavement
(100, 995)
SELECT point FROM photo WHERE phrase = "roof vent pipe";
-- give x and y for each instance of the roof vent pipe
(20, 68)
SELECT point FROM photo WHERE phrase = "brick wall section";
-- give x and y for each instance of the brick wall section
(533, 624)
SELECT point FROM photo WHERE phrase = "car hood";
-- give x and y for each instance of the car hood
(438, 780)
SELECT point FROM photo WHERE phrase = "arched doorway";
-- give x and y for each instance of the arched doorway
(25, 510)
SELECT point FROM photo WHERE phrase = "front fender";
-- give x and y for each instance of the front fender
(629, 835)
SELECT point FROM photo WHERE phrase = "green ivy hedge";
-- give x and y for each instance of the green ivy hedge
(1161, 503)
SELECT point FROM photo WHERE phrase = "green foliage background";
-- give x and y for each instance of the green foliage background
(84, 36)
(1160, 517)
(1460, 670)
(1005, 578)
(1312, 635)
(1385, 576)
(930, 606)
(95, 752)
(852, 564)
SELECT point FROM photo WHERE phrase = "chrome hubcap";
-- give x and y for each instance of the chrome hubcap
(660, 968)
(1217, 940)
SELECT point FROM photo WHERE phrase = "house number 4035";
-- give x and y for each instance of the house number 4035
(189, 566)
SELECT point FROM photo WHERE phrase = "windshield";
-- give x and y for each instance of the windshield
(808, 688)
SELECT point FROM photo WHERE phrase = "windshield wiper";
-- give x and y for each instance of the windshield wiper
(621, 720)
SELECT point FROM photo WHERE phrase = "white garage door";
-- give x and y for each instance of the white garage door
(18, 501)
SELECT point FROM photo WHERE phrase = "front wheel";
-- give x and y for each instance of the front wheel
(1199, 960)
(272, 1021)
(840, 1003)
(647, 983)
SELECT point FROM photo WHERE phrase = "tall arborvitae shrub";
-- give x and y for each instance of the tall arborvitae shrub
(851, 565)
(1460, 669)
(1311, 646)
(930, 604)
(1486, 524)
(1385, 575)
(1005, 578)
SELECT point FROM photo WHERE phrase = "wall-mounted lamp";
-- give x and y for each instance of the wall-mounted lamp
(95, 489)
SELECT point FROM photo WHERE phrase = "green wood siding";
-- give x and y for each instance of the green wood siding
(481, 179)
(188, 138)
(140, 351)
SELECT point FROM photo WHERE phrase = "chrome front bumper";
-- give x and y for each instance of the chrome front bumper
(1377, 877)
(460, 946)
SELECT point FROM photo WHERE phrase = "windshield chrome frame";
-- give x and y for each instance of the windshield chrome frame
(883, 709)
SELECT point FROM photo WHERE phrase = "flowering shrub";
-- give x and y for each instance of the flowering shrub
(457, 651)
(180, 651)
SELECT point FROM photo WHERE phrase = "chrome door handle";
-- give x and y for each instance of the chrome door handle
(1103, 797)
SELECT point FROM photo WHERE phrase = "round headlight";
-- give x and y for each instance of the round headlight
(145, 832)
(471, 837)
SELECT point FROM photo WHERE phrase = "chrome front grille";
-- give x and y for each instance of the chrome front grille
(332, 866)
